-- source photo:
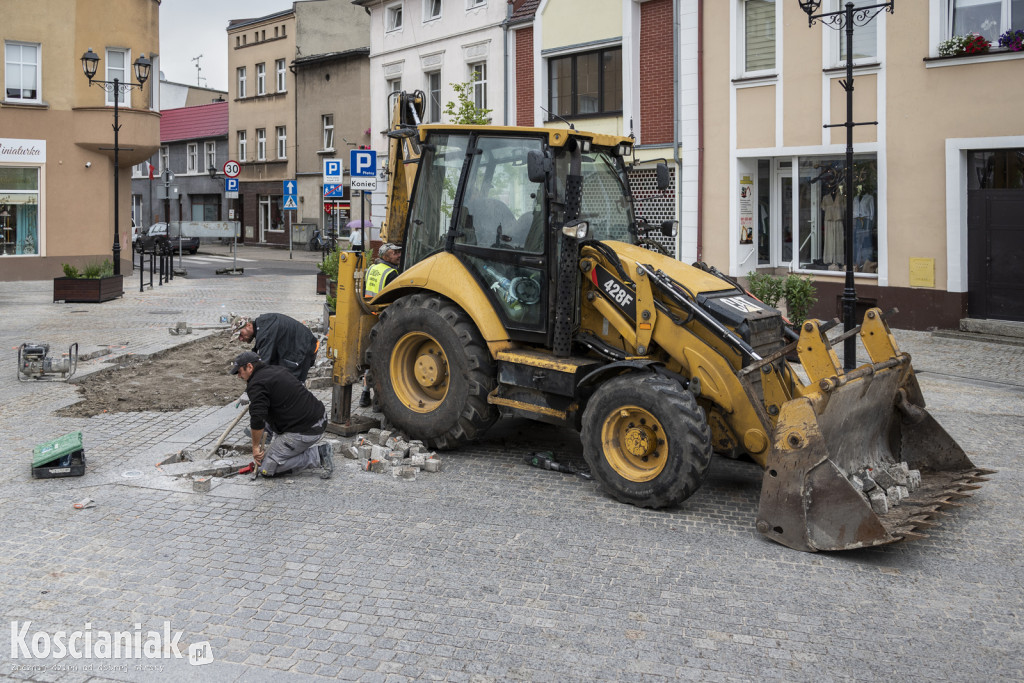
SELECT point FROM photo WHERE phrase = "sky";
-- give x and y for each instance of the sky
(189, 28)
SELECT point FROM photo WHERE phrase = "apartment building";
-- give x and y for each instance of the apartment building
(938, 191)
(57, 174)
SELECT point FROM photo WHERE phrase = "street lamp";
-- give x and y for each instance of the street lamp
(846, 19)
(90, 63)
(212, 171)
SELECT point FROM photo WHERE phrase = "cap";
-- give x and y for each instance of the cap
(244, 358)
(385, 248)
(238, 324)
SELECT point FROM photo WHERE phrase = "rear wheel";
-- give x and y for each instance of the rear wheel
(646, 440)
(431, 371)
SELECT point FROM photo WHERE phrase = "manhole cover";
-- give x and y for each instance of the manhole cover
(131, 474)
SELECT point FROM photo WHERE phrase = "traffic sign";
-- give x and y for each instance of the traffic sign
(363, 169)
(291, 201)
(333, 171)
(232, 169)
(334, 191)
(231, 188)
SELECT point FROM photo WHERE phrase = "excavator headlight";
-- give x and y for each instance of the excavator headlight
(622, 150)
(580, 230)
(585, 146)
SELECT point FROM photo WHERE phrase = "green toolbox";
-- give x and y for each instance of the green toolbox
(62, 457)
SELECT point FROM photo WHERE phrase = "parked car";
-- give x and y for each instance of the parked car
(156, 237)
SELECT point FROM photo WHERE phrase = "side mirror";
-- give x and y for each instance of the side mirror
(662, 175)
(538, 166)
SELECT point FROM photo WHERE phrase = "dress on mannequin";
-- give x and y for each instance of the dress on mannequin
(834, 205)
(863, 216)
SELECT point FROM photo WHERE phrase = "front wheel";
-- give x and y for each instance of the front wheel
(432, 371)
(314, 244)
(646, 440)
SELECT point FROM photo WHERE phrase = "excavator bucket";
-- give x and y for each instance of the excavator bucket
(857, 460)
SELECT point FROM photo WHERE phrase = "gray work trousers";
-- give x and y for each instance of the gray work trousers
(291, 452)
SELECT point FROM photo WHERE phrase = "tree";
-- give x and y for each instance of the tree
(463, 109)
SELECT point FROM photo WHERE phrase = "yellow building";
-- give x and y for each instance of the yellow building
(938, 193)
(56, 140)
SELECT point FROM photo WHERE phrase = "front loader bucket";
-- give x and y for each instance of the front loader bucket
(860, 462)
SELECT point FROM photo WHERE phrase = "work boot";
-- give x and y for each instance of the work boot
(364, 400)
(326, 462)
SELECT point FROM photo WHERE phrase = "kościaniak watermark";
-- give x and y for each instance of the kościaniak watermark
(98, 644)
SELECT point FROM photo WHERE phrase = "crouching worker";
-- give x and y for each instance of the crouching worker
(279, 401)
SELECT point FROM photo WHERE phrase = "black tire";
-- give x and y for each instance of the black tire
(431, 371)
(646, 440)
(313, 245)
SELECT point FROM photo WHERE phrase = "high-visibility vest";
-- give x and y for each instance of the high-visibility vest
(375, 278)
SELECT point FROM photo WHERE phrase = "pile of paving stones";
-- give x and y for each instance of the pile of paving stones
(383, 451)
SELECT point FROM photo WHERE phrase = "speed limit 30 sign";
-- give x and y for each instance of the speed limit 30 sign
(232, 169)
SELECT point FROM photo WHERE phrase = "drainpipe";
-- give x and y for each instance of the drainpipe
(504, 27)
(676, 124)
(700, 130)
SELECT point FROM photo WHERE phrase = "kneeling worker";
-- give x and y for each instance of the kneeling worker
(298, 418)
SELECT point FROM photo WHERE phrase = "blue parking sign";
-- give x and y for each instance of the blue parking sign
(363, 169)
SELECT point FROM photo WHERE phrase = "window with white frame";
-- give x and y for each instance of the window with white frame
(431, 9)
(470, 4)
(21, 72)
(394, 85)
(990, 18)
(165, 158)
(117, 67)
(191, 157)
(282, 81)
(261, 144)
(758, 20)
(327, 123)
(434, 97)
(241, 82)
(211, 154)
(140, 169)
(243, 147)
(261, 79)
(478, 74)
(393, 17)
(865, 37)
(282, 143)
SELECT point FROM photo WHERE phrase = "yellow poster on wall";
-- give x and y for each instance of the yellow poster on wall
(922, 272)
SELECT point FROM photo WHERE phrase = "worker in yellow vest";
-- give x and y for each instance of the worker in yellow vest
(378, 276)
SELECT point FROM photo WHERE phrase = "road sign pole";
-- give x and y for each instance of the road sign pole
(362, 218)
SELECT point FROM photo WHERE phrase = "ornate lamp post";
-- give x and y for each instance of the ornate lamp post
(846, 19)
(90, 62)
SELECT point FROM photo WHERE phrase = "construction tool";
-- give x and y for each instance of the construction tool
(242, 401)
(34, 363)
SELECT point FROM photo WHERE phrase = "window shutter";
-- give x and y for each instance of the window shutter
(759, 25)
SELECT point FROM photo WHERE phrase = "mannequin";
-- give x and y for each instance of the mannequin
(833, 203)
(863, 217)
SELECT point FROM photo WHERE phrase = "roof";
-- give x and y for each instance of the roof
(192, 123)
(524, 9)
(239, 23)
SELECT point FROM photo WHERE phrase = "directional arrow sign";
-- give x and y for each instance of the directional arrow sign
(291, 202)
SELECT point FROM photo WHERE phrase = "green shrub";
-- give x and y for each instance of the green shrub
(329, 266)
(94, 271)
(70, 271)
(800, 297)
(766, 287)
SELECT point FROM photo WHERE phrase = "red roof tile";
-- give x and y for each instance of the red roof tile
(524, 9)
(193, 123)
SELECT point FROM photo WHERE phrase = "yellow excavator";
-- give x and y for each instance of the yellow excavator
(526, 289)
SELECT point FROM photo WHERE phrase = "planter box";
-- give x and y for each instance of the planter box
(87, 291)
(321, 283)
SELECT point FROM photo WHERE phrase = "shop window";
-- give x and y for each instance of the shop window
(205, 207)
(19, 211)
(822, 195)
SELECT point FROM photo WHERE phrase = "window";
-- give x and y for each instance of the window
(478, 72)
(758, 35)
(282, 143)
(431, 9)
(822, 196)
(865, 37)
(393, 18)
(241, 82)
(19, 211)
(165, 159)
(117, 67)
(990, 18)
(327, 121)
(261, 79)
(205, 207)
(281, 80)
(243, 148)
(434, 96)
(261, 144)
(21, 72)
(211, 154)
(191, 157)
(470, 4)
(394, 85)
(586, 83)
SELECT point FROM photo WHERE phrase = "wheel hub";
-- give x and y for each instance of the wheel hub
(419, 372)
(638, 442)
(634, 443)
(428, 371)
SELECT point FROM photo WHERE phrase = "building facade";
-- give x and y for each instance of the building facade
(56, 144)
(938, 193)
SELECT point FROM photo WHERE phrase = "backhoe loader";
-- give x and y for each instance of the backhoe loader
(523, 291)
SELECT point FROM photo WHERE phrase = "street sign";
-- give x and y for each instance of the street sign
(333, 172)
(337, 191)
(231, 188)
(363, 169)
(291, 200)
(232, 169)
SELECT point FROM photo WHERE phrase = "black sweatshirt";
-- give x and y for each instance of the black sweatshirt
(276, 397)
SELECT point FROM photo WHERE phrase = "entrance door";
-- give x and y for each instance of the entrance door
(995, 254)
(784, 183)
(265, 223)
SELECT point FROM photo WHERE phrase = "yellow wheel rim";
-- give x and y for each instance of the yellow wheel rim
(635, 444)
(419, 372)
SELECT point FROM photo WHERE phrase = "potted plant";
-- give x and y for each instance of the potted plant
(328, 272)
(1013, 40)
(95, 284)
(970, 44)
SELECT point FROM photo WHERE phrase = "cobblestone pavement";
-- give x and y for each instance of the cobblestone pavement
(489, 570)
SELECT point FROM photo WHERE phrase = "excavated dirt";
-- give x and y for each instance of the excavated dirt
(195, 374)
